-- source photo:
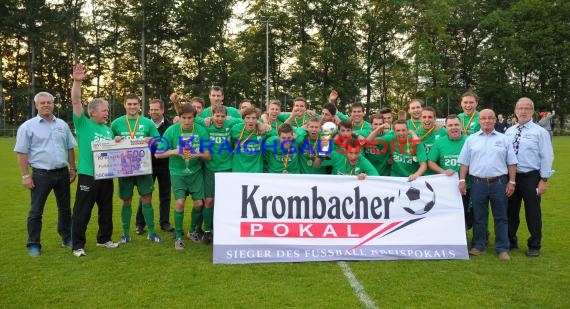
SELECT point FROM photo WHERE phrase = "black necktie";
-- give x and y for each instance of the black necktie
(516, 142)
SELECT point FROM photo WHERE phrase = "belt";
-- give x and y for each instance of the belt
(490, 179)
(528, 173)
(49, 171)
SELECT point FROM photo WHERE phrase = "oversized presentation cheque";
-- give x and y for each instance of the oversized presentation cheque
(122, 159)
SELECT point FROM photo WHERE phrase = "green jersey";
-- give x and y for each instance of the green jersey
(196, 138)
(445, 152)
(406, 156)
(88, 131)
(414, 125)
(428, 138)
(136, 128)
(295, 122)
(220, 145)
(363, 129)
(341, 165)
(469, 124)
(274, 125)
(232, 112)
(378, 154)
(280, 159)
(247, 152)
(308, 152)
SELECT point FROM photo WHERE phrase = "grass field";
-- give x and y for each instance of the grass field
(146, 275)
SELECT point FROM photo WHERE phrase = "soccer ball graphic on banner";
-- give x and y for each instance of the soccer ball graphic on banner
(418, 199)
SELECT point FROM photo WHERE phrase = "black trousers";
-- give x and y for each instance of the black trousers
(91, 191)
(164, 196)
(526, 191)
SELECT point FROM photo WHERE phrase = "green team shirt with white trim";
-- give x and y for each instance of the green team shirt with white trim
(405, 156)
(276, 158)
(221, 143)
(445, 152)
(174, 135)
(142, 128)
(250, 160)
(88, 131)
(232, 112)
(341, 165)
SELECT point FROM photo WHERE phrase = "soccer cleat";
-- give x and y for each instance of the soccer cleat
(34, 251)
(194, 236)
(124, 239)
(206, 238)
(154, 238)
(79, 252)
(109, 245)
(179, 244)
(139, 230)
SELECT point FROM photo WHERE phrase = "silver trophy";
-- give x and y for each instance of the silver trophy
(328, 130)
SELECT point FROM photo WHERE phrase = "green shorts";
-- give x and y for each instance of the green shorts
(144, 184)
(210, 181)
(182, 186)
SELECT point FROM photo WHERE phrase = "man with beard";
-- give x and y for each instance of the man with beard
(378, 151)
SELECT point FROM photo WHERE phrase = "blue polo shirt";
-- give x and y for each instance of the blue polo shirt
(45, 142)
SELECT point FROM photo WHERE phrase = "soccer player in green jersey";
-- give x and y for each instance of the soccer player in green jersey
(310, 147)
(184, 140)
(220, 150)
(429, 132)
(333, 99)
(245, 103)
(216, 97)
(134, 126)
(282, 151)
(271, 117)
(407, 151)
(415, 107)
(442, 159)
(469, 118)
(298, 116)
(350, 162)
(387, 117)
(360, 126)
(248, 137)
(198, 104)
(378, 150)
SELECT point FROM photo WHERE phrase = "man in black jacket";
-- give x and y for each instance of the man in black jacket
(159, 170)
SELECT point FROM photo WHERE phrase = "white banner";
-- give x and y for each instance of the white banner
(264, 218)
(123, 159)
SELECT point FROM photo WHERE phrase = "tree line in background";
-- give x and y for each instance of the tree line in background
(378, 52)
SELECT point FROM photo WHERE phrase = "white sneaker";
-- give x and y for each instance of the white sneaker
(79, 252)
(110, 245)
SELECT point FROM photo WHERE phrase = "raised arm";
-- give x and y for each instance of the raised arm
(78, 77)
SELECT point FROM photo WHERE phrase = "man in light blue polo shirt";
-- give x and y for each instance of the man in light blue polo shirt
(45, 144)
(533, 149)
(490, 159)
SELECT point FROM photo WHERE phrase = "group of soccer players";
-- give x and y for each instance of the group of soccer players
(204, 141)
